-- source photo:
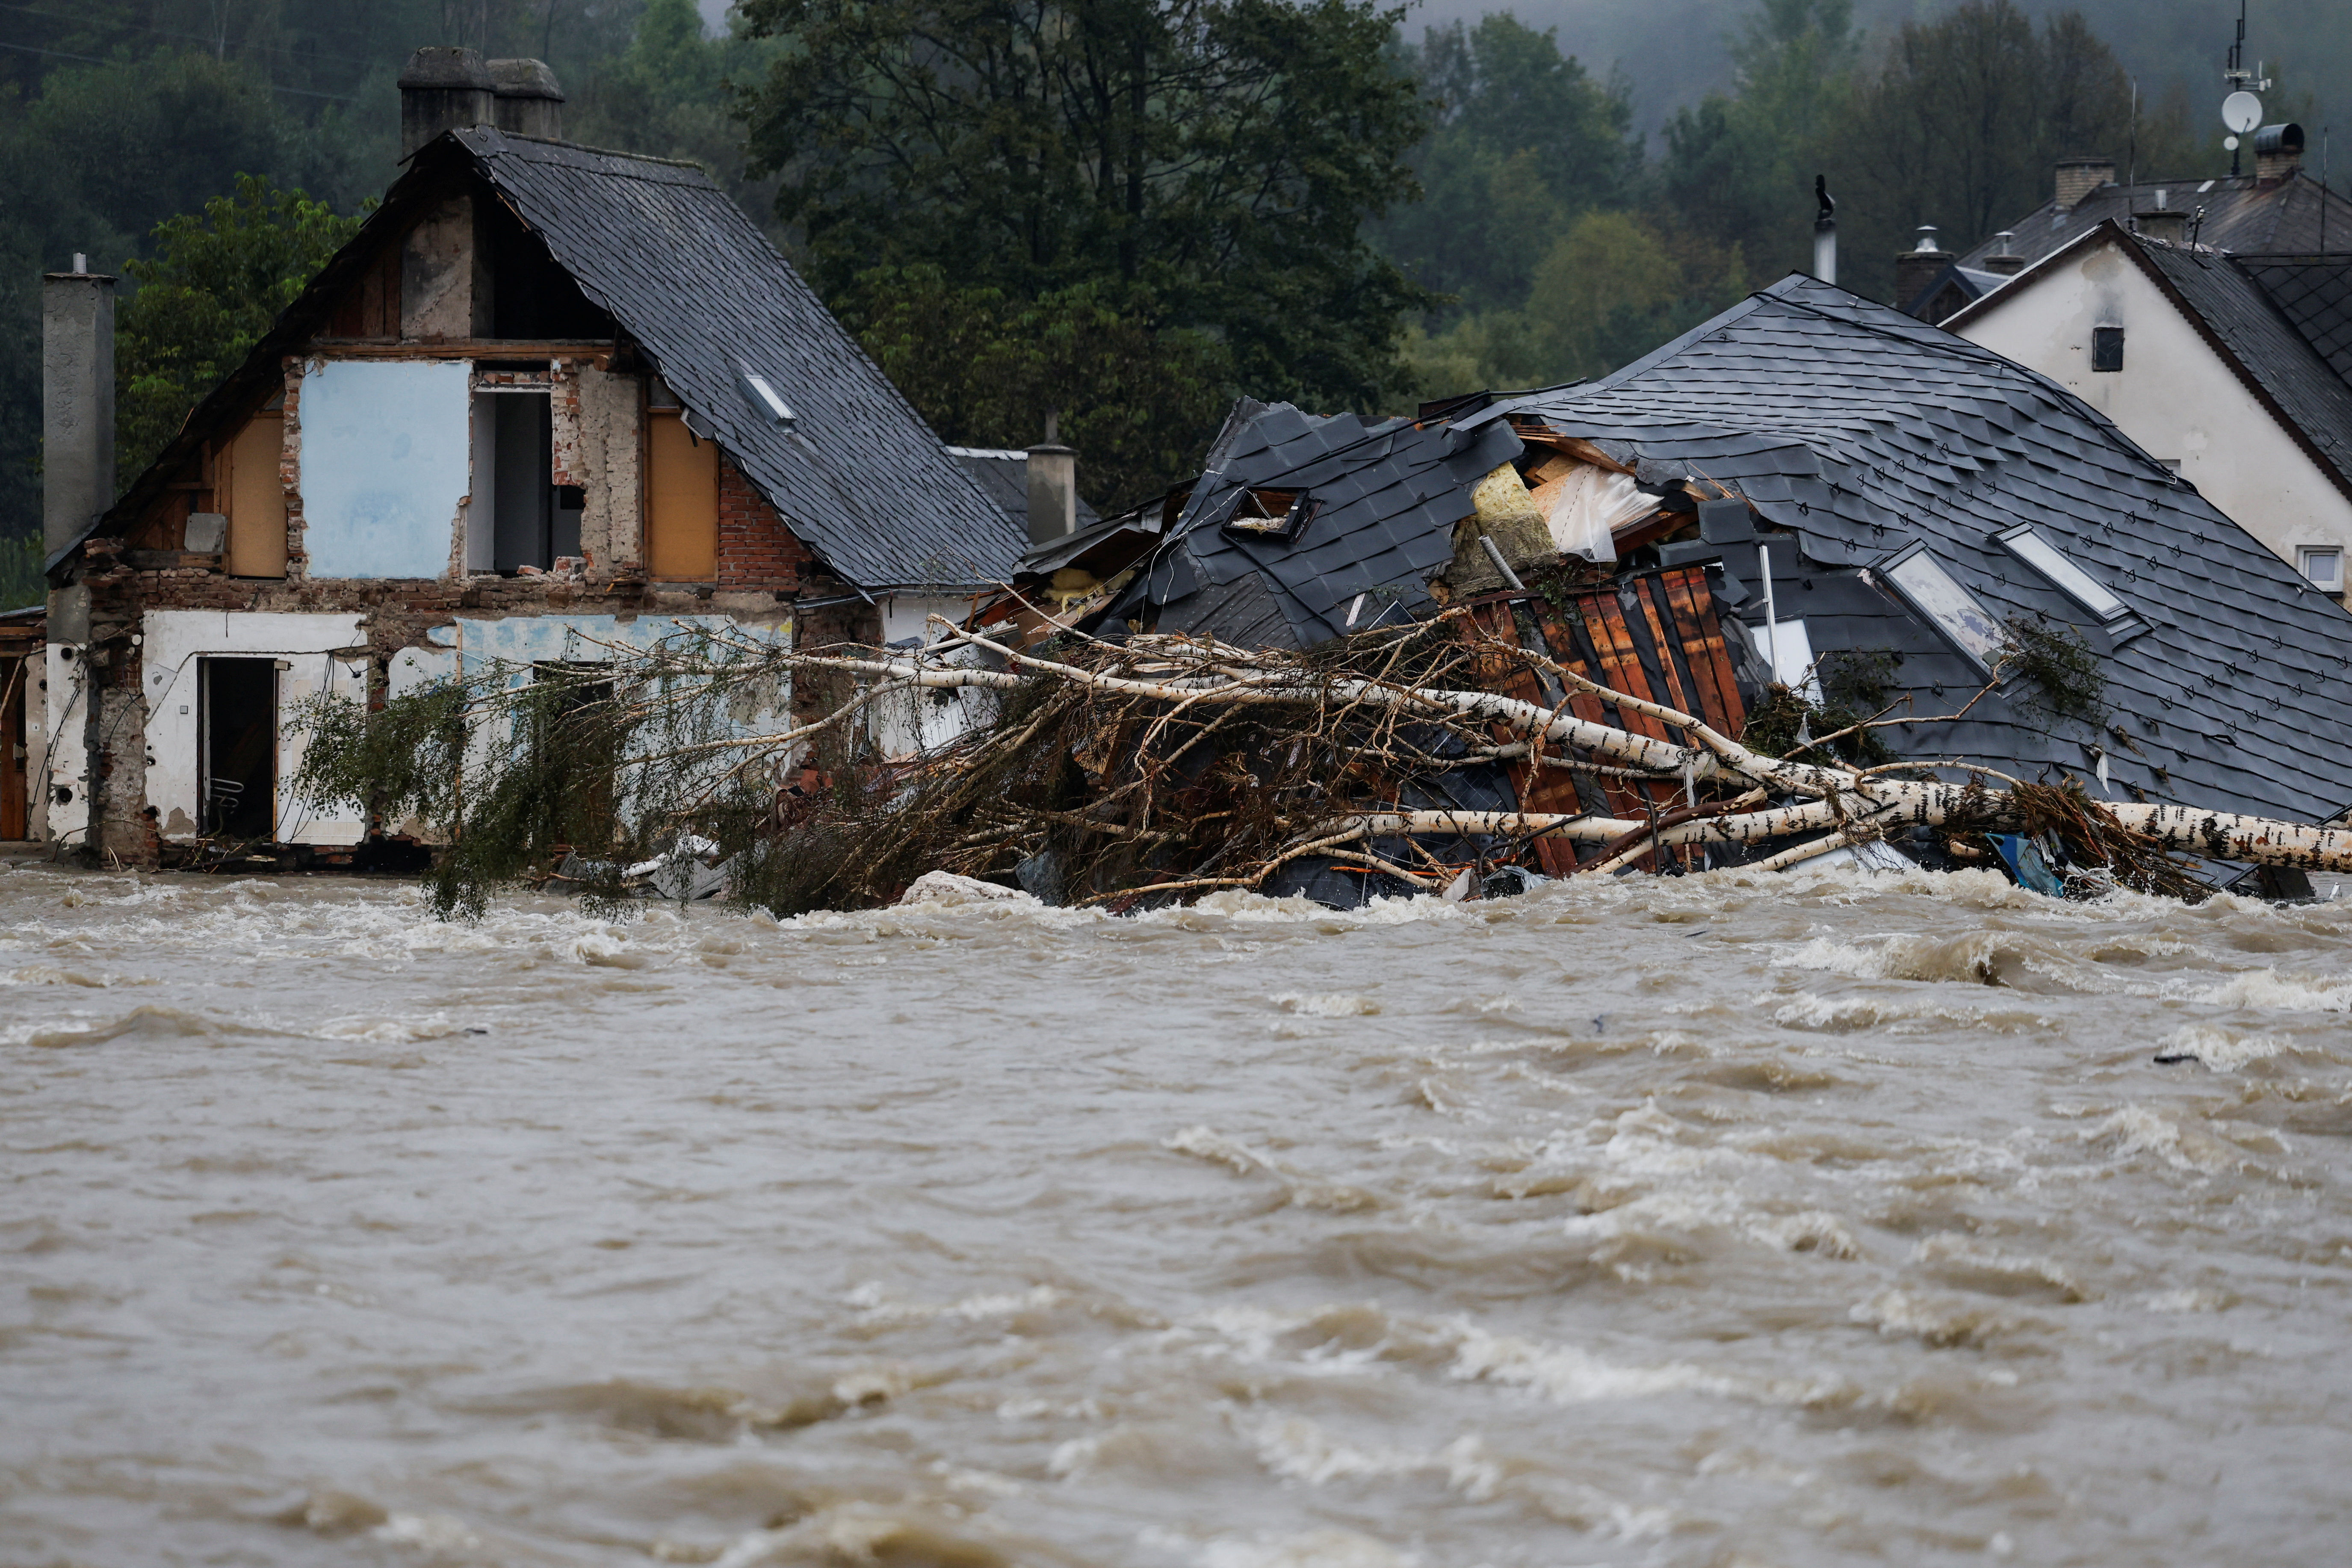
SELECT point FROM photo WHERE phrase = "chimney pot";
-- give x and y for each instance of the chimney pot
(77, 402)
(2078, 177)
(444, 88)
(528, 102)
(2278, 152)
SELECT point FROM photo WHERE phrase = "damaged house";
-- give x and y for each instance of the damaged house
(1812, 492)
(548, 403)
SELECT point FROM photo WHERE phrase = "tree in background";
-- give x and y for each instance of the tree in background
(1525, 140)
(665, 94)
(1732, 161)
(986, 368)
(216, 281)
(1960, 124)
(1204, 167)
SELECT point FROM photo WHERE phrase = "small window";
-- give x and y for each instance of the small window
(1936, 593)
(2324, 564)
(2106, 348)
(2027, 545)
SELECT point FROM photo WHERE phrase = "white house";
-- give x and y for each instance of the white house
(2193, 355)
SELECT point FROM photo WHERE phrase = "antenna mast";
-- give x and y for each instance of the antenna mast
(2242, 80)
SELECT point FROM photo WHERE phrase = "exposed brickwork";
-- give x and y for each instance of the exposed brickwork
(755, 549)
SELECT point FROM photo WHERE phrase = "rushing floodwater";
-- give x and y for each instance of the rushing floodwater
(1799, 1220)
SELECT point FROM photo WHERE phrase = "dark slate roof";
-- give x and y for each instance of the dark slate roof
(861, 479)
(2238, 316)
(1860, 430)
(2315, 292)
(2240, 215)
(1003, 477)
(1389, 492)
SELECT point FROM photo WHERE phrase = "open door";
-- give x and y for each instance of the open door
(237, 734)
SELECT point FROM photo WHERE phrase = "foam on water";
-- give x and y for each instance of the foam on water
(1833, 1218)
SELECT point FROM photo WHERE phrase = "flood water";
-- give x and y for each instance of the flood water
(1813, 1219)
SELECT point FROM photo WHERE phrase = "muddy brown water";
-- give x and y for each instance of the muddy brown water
(1804, 1220)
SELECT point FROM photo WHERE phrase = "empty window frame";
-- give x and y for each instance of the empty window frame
(681, 500)
(2027, 544)
(1936, 593)
(2106, 348)
(2323, 564)
(519, 517)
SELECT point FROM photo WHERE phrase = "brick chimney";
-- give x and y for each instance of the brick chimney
(2278, 152)
(528, 102)
(1053, 486)
(445, 87)
(2165, 223)
(2002, 259)
(2078, 177)
(1917, 267)
(77, 402)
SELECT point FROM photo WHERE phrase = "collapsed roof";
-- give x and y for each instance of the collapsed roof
(1889, 469)
(1864, 433)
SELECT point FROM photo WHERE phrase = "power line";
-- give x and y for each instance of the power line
(96, 60)
(173, 33)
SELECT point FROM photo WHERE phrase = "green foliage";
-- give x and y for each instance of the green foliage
(21, 583)
(1525, 140)
(2068, 680)
(216, 281)
(1209, 161)
(987, 368)
(1856, 687)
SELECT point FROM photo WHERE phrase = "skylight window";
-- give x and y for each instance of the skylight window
(2027, 545)
(1936, 593)
(764, 398)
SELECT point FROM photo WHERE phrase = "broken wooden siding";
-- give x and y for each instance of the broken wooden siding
(1652, 635)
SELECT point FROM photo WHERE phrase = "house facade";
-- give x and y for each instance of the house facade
(549, 400)
(2187, 352)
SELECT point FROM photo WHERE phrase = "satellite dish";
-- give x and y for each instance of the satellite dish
(2241, 112)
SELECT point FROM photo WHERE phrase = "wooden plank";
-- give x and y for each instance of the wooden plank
(1681, 698)
(1716, 653)
(1682, 611)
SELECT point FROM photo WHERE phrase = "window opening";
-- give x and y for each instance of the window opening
(2027, 545)
(519, 515)
(2323, 564)
(1936, 593)
(2106, 348)
(237, 725)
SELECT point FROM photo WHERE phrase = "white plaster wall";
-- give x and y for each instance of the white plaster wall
(596, 448)
(176, 640)
(37, 749)
(65, 766)
(904, 724)
(2175, 396)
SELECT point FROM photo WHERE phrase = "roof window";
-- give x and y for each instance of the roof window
(2027, 544)
(1936, 593)
(764, 398)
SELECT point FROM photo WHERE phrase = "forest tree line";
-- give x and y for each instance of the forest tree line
(1125, 211)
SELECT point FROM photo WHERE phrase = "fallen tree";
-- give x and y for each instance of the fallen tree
(1144, 770)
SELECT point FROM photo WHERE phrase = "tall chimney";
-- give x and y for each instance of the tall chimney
(1052, 487)
(77, 402)
(1918, 267)
(444, 88)
(2078, 177)
(1824, 231)
(2278, 152)
(528, 102)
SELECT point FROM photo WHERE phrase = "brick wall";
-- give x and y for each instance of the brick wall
(755, 549)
